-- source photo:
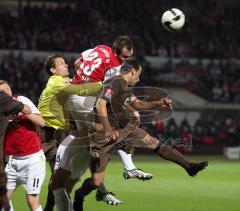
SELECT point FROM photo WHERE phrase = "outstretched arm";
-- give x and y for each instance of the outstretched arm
(83, 89)
(142, 105)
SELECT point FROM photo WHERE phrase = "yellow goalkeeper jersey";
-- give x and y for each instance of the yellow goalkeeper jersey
(55, 95)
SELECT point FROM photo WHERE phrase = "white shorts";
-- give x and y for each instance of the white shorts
(28, 171)
(72, 156)
(79, 108)
(81, 103)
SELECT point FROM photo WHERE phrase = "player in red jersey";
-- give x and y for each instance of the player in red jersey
(23, 150)
(100, 64)
(7, 106)
(95, 63)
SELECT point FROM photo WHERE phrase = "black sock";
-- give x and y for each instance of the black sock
(102, 189)
(80, 193)
(50, 200)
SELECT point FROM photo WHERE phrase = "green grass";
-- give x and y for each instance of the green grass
(215, 189)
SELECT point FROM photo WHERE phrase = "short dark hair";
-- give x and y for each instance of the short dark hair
(129, 64)
(49, 62)
(121, 42)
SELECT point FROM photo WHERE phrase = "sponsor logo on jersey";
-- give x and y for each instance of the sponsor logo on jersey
(108, 93)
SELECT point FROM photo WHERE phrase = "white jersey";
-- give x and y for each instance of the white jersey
(28, 102)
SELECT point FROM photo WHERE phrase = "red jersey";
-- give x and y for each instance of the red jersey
(21, 137)
(95, 63)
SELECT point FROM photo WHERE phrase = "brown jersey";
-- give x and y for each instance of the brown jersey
(7, 106)
(115, 92)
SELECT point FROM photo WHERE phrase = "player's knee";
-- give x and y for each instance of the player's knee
(151, 142)
(162, 148)
(33, 201)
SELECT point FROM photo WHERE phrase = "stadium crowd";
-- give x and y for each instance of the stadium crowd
(225, 130)
(90, 22)
(215, 82)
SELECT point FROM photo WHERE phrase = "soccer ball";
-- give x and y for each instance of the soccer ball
(173, 19)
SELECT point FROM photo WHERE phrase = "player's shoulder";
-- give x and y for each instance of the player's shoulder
(21, 98)
(117, 80)
(106, 50)
(58, 80)
(104, 47)
(28, 102)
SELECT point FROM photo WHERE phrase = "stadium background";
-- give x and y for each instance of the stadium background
(199, 66)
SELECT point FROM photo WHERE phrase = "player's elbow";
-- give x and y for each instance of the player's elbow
(100, 104)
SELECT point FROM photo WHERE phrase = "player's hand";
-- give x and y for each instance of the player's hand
(13, 117)
(77, 63)
(137, 116)
(111, 135)
(165, 102)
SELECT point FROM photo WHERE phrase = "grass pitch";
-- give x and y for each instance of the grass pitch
(215, 189)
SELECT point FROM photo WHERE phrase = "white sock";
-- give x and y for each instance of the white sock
(39, 208)
(11, 206)
(127, 160)
(62, 200)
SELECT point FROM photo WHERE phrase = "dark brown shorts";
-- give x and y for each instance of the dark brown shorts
(51, 139)
(101, 148)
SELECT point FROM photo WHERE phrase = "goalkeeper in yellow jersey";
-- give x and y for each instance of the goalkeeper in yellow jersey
(53, 108)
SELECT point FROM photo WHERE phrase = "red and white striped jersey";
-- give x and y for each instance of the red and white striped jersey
(97, 64)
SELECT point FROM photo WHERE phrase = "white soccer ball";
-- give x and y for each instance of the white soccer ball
(173, 19)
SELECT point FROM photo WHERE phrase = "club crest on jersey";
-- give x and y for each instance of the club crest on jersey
(108, 93)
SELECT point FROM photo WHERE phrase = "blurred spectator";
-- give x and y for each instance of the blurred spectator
(210, 132)
(238, 132)
(184, 128)
(230, 130)
(159, 126)
(172, 129)
(198, 130)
